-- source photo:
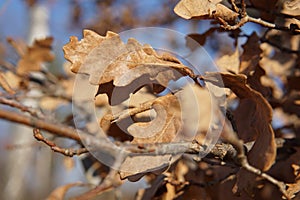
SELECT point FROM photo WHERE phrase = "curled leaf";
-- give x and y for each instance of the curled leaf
(263, 152)
(256, 123)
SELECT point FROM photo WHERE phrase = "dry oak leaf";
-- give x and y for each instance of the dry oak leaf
(165, 127)
(263, 152)
(259, 115)
(33, 56)
(76, 51)
(108, 59)
(210, 9)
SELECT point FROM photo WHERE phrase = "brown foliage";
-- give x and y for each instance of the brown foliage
(146, 132)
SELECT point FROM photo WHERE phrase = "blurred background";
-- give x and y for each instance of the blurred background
(30, 170)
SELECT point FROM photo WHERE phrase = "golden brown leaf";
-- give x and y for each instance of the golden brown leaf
(164, 128)
(225, 13)
(35, 55)
(109, 59)
(195, 8)
(291, 7)
(188, 9)
(199, 38)
(50, 103)
(76, 51)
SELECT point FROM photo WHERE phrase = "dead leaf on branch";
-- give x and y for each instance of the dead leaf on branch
(291, 7)
(76, 51)
(123, 68)
(165, 127)
(264, 149)
(33, 56)
(204, 9)
(109, 59)
(257, 123)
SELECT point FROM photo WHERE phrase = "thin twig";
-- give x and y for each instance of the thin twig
(242, 160)
(138, 149)
(243, 10)
(22, 107)
(57, 129)
(281, 185)
(235, 8)
(67, 152)
(246, 18)
(132, 149)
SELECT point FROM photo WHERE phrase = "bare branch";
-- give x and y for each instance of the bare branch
(246, 18)
(235, 8)
(67, 152)
(138, 149)
(22, 107)
(243, 10)
(57, 129)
